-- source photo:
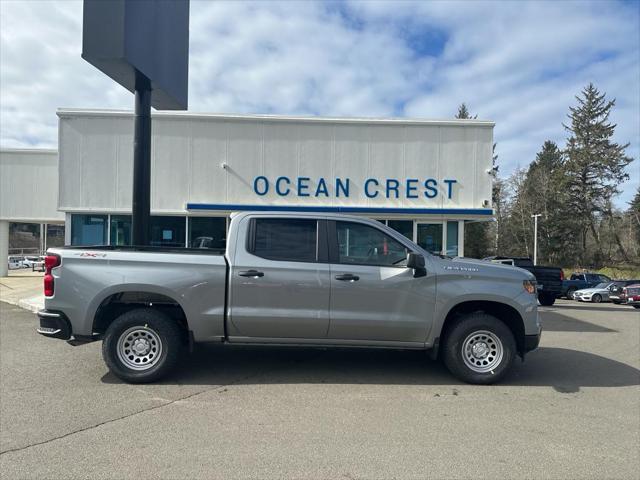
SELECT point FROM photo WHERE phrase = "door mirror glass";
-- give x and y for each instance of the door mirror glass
(416, 261)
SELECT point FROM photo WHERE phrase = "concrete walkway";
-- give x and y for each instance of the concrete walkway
(23, 288)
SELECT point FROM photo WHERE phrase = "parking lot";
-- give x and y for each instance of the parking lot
(571, 410)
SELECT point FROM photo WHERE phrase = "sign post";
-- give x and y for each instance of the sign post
(144, 46)
(141, 200)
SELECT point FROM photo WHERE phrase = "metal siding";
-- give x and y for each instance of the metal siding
(208, 153)
(28, 186)
(188, 152)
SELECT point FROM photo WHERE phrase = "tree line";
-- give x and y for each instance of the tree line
(573, 188)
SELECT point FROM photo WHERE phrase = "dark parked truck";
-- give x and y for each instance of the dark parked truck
(549, 279)
(580, 281)
(290, 279)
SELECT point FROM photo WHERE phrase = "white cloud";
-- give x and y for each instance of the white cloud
(519, 64)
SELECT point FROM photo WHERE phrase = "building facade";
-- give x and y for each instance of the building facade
(424, 178)
(28, 201)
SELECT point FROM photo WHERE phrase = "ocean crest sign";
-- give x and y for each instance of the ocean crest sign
(340, 187)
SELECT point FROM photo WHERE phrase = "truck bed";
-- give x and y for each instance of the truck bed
(193, 278)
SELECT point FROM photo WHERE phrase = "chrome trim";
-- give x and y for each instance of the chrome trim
(44, 313)
(47, 330)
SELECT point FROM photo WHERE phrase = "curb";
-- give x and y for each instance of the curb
(31, 304)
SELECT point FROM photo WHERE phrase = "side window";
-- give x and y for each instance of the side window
(575, 277)
(360, 244)
(292, 240)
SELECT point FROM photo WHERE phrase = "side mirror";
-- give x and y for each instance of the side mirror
(416, 261)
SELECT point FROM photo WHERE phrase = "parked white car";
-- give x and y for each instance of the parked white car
(597, 294)
(30, 261)
(16, 262)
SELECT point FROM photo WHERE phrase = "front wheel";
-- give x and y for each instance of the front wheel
(142, 345)
(479, 349)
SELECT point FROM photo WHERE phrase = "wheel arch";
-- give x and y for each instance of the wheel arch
(117, 301)
(502, 311)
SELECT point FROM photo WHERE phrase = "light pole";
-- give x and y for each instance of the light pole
(535, 237)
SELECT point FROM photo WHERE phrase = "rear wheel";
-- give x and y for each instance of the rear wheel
(570, 293)
(479, 349)
(546, 299)
(142, 345)
(597, 298)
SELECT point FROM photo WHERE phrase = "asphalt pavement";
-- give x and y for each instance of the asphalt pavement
(571, 410)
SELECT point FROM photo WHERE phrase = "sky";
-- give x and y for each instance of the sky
(519, 64)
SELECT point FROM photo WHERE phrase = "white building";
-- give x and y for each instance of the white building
(28, 193)
(425, 178)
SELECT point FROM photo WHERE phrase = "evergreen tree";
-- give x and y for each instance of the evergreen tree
(544, 191)
(463, 113)
(595, 166)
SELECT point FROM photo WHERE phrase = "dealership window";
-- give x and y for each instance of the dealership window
(364, 245)
(120, 230)
(167, 231)
(452, 239)
(405, 227)
(88, 229)
(207, 232)
(429, 237)
(55, 236)
(293, 240)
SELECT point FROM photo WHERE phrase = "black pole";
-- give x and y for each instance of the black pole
(141, 208)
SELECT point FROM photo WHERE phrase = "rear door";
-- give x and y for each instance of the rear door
(374, 296)
(280, 280)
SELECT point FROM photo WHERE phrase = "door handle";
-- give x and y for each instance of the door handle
(251, 274)
(348, 277)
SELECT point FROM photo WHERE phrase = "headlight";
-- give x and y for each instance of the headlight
(529, 286)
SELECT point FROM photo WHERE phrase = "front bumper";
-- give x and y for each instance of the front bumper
(531, 342)
(54, 325)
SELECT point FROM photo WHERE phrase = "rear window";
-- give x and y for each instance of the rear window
(292, 240)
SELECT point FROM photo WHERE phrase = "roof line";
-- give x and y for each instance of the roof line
(28, 150)
(64, 112)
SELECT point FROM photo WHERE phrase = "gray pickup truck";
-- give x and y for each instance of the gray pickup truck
(290, 279)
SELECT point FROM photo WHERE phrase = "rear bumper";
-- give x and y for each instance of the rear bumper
(54, 325)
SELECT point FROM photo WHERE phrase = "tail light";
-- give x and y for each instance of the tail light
(561, 275)
(50, 262)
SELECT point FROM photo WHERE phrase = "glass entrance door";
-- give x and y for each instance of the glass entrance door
(429, 236)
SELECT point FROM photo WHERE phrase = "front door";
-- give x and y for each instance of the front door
(374, 296)
(280, 280)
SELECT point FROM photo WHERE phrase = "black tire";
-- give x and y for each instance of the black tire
(570, 293)
(546, 299)
(635, 306)
(466, 328)
(617, 302)
(161, 329)
(597, 298)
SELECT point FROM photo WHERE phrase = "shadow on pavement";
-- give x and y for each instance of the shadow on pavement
(563, 369)
(557, 322)
(589, 307)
